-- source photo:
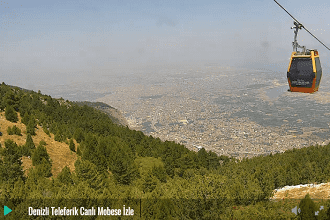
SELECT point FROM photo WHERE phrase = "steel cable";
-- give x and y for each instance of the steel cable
(301, 25)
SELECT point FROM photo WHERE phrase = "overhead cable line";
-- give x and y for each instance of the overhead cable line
(302, 25)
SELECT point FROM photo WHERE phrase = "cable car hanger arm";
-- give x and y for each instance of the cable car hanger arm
(301, 25)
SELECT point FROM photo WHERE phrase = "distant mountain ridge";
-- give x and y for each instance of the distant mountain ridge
(115, 115)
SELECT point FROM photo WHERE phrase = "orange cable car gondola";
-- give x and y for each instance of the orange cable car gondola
(304, 71)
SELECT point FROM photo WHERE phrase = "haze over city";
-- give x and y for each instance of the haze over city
(203, 73)
(51, 43)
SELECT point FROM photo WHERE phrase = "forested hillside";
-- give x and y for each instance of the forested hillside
(117, 166)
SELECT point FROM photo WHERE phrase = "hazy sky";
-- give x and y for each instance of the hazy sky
(62, 39)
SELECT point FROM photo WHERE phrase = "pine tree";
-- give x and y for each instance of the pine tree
(11, 168)
(25, 120)
(308, 208)
(44, 169)
(123, 166)
(160, 173)
(29, 142)
(38, 155)
(150, 183)
(16, 130)
(65, 176)
(58, 136)
(11, 114)
(78, 135)
(203, 158)
(87, 171)
(90, 144)
(328, 212)
(30, 128)
(25, 151)
(28, 147)
(72, 146)
(2, 105)
(213, 160)
(11, 99)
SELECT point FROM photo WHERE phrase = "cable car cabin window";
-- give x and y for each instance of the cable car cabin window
(317, 63)
(301, 72)
(318, 71)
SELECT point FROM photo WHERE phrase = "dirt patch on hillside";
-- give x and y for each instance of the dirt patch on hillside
(59, 153)
(316, 191)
